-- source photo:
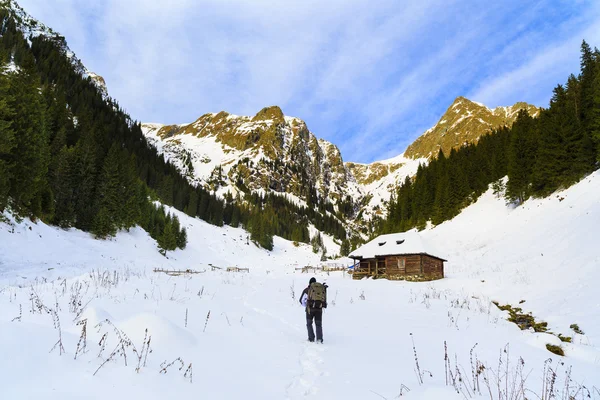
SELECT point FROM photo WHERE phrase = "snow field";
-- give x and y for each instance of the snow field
(254, 344)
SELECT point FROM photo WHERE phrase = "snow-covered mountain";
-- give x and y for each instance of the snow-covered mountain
(379, 179)
(464, 122)
(32, 28)
(274, 152)
(269, 151)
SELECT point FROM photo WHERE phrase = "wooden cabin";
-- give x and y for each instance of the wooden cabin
(398, 256)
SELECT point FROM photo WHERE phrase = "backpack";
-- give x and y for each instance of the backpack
(316, 294)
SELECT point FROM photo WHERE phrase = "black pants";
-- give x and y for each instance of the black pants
(317, 314)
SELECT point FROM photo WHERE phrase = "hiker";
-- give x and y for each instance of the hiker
(314, 299)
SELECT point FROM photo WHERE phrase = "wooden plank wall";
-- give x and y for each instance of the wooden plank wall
(413, 267)
(395, 265)
(432, 267)
(403, 265)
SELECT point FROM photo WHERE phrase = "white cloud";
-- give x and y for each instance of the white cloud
(365, 75)
(548, 67)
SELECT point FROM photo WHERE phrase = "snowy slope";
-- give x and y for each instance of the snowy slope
(544, 252)
(252, 343)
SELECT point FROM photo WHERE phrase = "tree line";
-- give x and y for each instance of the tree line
(538, 155)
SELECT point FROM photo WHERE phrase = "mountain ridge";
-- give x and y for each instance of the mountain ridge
(268, 152)
(465, 121)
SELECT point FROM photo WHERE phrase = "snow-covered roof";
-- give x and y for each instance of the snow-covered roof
(395, 243)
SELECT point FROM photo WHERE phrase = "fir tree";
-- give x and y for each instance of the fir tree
(192, 206)
(30, 155)
(109, 199)
(7, 139)
(345, 248)
(103, 225)
(64, 182)
(167, 240)
(522, 157)
(182, 238)
(235, 216)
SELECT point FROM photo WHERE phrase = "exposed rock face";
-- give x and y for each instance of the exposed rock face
(365, 174)
(464, 122)
(274, 152)
(266, 152)
(98, 81)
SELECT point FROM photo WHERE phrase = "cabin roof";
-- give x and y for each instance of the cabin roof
(409, 242)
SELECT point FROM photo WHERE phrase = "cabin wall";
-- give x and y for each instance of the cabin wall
(433, 268)
(403, 267)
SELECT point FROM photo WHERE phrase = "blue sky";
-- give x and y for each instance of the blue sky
(369, 76)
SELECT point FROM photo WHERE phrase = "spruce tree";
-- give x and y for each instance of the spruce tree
(345, 248)
(109, 191)
(168, 238)
(64, 182)
(192, 206)
(521, 157)
(30, 155)
(7, 139)
(182, 238)
(235, 216)
(103, 225)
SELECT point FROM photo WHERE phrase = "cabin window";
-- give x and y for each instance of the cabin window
(399, 241)
(400, 263)
(381, 243)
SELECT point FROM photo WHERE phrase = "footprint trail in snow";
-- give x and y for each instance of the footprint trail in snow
(312, 369)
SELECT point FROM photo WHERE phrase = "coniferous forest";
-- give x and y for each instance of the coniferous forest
(539, 156)
(73, 158)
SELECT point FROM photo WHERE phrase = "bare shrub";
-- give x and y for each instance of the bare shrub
(143, 354)
(20, 316)
(82, 343)
(206, 322)
(59, 342)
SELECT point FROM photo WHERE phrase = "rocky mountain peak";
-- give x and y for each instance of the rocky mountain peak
(273, 113)
(465, 121)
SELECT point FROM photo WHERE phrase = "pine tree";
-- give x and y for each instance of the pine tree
(87, 163)
(7, 139)
(235, 215)
(192, 206)
(109, 199)
(594, 113)
(521, 157)
(345, 248)
(182, 238)
(168, 238)
(103, 225)
(442, 196)
(64, 181)
(317, 242)
(30, 154)
(131, 192)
